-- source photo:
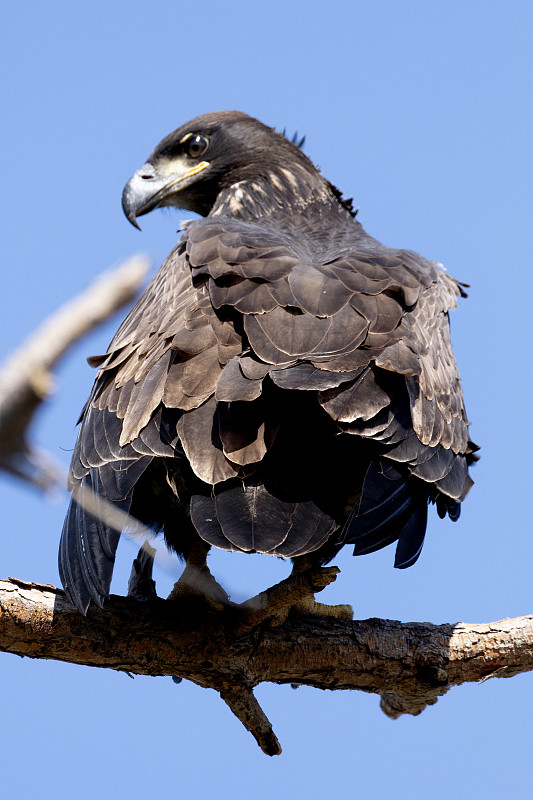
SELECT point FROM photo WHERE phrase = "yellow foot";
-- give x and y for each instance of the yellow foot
(308, 605)
(318, 579)
(198, 581)
(294, 593)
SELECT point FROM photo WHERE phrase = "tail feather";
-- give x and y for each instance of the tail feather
(412, 537)
(89, 539)
(392, 508)
(251, 519)
(86, 552)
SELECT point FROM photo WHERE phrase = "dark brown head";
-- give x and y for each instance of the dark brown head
(192, 166)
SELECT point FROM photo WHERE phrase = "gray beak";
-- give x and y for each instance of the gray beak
(139, 193)
(152, 187)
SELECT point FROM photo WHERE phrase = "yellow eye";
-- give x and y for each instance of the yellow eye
(196, 146)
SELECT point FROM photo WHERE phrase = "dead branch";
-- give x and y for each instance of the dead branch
(409, 665)
(26, 380)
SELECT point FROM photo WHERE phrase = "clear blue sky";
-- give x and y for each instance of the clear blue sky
(423, 112)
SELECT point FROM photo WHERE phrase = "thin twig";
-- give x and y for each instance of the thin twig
(26, 380)
(242, 702)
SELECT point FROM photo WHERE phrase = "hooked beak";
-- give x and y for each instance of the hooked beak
(152, 187)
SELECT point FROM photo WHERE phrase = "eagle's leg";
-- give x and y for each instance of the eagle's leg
(297, 592)
(196, 579)
(141, 584)
(308, 604)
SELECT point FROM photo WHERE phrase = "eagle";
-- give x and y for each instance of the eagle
(285, 385)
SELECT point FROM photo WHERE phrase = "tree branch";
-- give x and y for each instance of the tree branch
(26, 380)
(408, 665)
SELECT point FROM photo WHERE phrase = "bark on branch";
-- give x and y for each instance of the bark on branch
(409, 665)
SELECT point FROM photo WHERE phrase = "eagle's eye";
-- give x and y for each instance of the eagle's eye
(196, 146)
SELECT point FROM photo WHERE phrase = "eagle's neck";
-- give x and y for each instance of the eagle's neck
(289, 189)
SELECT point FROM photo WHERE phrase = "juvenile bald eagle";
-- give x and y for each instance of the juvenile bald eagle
(285, 385)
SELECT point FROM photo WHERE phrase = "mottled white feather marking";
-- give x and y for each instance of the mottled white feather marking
(290, 177)
(276, 181)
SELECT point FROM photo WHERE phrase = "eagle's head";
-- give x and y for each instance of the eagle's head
(194, 164)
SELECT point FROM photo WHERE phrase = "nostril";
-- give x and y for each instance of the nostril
(146, 172)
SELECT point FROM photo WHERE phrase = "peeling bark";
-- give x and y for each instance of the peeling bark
(410, 665)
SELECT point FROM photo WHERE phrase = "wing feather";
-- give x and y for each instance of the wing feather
(255, 340)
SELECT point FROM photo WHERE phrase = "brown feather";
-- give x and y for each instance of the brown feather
(233, 385)
(198, 433)
(360, 399)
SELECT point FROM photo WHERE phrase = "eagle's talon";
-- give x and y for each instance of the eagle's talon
(320, 578)
(199, 582)
(308, 606)
(296, 593)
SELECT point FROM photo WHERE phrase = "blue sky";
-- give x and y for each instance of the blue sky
(421, 111)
